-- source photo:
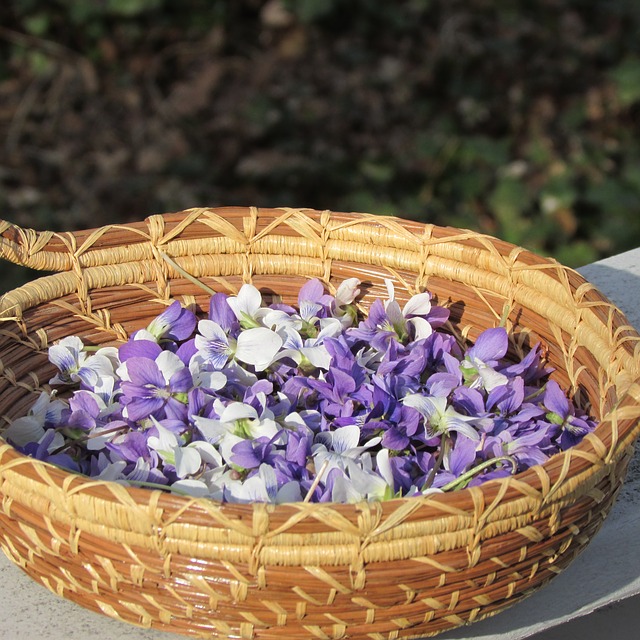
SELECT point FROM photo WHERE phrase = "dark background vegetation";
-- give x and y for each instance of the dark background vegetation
(519, 118)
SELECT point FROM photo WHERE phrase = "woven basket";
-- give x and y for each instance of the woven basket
(404, 568)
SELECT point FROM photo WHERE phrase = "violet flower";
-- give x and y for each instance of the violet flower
(48, 449)
(156, 387)
(173, 324)
(45, 413)
(478, 366)
(256, 346)
(440, 417)
(75, 364)
(563, 414)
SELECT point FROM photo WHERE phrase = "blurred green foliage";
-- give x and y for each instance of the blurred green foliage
(519, 118)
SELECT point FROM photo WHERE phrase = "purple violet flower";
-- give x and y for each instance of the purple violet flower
(562, 413)
(478, 366)
(173, 324)
(221, 313)
(140, 348)
(156, 387)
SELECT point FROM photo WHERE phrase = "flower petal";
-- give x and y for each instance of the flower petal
(113, 471)
(418, 305)
(220, 311)
(188, 461)
(390, 289)
(165, 439)
(384, 467)
(492, 378)
(139, 348)
(246, 303)
(289, 492)
(455, 424)
(169, 365)
(210, 330)
(345, 438)
(426, 405)
(555, 400)
(491, 345)
(208, 453)
(293, 340)
(394, 314)
(423, 328)
(347, 291)
(317, 356)
(195, 488)
(211, 380)
(174, 323)
(62, 358)
(212, 430)
(24, 430)
(310, 291)
(258, 347)
(238, 411)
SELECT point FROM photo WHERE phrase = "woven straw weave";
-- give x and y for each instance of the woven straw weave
(403, 568)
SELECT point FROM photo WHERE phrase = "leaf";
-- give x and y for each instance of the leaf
(131, 8)
(626, 77)
(508, 198)
(508, 202)
(310, 10)
(37, 24)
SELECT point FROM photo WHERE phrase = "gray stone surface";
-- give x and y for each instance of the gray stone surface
(608, 572)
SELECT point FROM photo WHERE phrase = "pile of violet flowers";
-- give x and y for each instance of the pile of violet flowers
(277, 404)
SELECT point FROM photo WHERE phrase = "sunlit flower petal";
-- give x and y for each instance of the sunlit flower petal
(347, 292)
(422, 328)
(418, 305)
(258, 347)
(247, 306)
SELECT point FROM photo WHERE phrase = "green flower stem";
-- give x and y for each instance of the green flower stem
(506, 310)
(183, 398)
(185, 274)
(155, 485)
(84, 439)
(460, 482)
(535, 394)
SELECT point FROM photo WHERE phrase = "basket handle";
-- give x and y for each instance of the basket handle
(60, 252)
(40, 250)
